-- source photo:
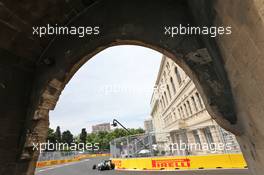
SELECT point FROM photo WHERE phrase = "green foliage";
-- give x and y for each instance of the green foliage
(58, 134)
(67, 137)
(83, 136)
(54, 137)
(51, 136)
(104, 138)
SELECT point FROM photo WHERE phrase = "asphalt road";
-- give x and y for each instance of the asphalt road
(85, 168)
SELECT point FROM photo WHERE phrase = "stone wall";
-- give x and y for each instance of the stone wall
(237, 63)
(15, 88)
(243, 55)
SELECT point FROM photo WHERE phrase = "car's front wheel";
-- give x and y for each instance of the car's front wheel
(94, 167)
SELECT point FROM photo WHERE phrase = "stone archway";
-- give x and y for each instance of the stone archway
(234, 66)
(65, 55)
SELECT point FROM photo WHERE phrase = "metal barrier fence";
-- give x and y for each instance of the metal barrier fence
(200, 141)
(58, 155)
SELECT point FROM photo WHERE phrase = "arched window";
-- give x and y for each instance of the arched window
(189, 106)
(199, 100)
(194, 104)
(168, 89)
(173, 85)
(178, 75)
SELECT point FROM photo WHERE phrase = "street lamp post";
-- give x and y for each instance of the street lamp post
(115, 122)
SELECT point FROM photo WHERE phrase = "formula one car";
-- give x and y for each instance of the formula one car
(105, 165)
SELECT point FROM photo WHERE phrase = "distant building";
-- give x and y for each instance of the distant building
(148, 125)
(101, 127)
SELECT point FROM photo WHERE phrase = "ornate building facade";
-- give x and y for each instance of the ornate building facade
(179, 114)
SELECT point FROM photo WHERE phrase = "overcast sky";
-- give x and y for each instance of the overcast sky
(116, 83)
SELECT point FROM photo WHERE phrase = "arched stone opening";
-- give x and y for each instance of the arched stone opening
(134, 22)
(65, 55)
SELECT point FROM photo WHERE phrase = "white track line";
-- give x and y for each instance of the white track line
(59, 166)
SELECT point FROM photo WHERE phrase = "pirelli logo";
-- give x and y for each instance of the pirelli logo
(171, 163)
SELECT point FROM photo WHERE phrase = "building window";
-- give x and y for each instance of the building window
(184, 138)
(166, 98)
(168, 89)
(168, 66)
(178, 75)
(196, 137)
(199, 100)
(173, 85)
(182, 113)
(177, 136)
(208, 136)
(175, 116)
(189, 106)
(179, 111)
(194, 104)
(186, 111)
(164, 104)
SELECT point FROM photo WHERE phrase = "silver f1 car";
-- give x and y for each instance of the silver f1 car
(105, 165)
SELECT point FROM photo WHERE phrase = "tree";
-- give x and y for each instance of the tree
(67, 137)
(119, 133)
(90, 137)
(58, 134)
(104, 138)
(51, 136)
(137, 131)
(83, 136)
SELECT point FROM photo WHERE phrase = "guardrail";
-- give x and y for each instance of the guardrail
(75, 159)
(215, 161)
(203, 141)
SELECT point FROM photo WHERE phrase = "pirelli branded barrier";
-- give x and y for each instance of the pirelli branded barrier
(182, 163)
(75, 159)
